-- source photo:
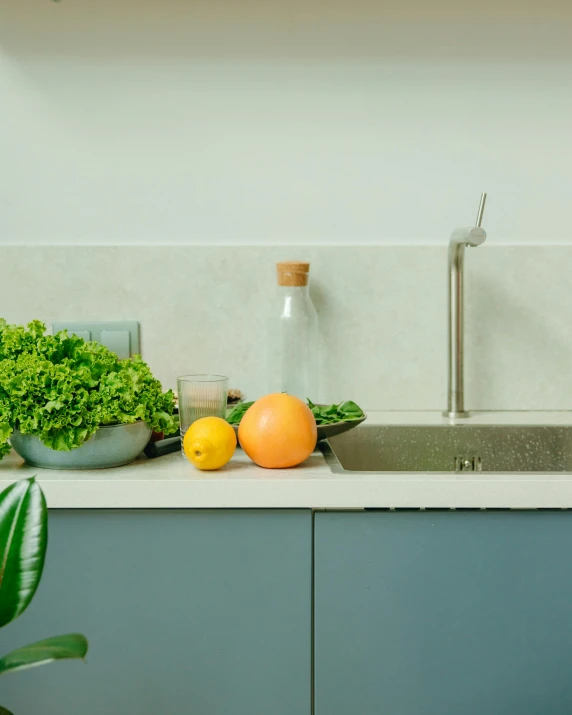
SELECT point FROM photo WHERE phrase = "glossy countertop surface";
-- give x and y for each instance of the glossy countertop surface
(172, 482)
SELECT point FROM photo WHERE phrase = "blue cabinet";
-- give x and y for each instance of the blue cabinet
(210, 613)
(443, 613)
(199, 612)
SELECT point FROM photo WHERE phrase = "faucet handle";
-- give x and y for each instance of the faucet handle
(481, 210)
(469, 236)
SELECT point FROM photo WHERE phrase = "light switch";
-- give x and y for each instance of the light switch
(117, 341)
(121, 337)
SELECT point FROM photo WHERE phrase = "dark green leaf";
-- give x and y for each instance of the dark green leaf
(23, 541)
(331, 414)
(47, 651)
(350, 408)
(237, 413)
(3, 711)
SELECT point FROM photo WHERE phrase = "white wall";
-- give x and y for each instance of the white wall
(382, 309)
(285, 121)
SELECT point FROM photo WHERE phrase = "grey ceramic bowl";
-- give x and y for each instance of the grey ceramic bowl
(110, 446)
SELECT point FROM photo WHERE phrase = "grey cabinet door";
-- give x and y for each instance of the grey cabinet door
(443, 613)
(199, 612)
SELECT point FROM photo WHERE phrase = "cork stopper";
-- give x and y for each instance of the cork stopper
(292, 273)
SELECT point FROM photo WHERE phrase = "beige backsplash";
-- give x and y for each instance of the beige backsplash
(382, 310)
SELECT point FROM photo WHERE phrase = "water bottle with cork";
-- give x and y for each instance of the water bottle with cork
(293, 334)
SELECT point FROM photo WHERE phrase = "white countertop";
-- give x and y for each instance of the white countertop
(172, 482)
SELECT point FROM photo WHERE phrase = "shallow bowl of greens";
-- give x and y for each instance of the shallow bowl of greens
(331, 420)
(110, 446)
(335, 419)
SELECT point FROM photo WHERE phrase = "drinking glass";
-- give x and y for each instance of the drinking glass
(201, 396)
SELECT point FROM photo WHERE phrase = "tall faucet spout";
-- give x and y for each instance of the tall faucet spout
(460, 239)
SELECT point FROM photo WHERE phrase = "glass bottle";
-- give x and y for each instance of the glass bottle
(293, 334)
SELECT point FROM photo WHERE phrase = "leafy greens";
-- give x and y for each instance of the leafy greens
(62, 388)
(330, 414)
(324, 414)
(235, 414)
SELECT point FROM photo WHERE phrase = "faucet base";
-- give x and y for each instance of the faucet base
(456, 415)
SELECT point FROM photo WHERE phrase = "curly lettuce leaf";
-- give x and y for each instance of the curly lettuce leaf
(62, 388)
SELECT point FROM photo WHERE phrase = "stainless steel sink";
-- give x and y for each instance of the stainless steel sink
(451, 448)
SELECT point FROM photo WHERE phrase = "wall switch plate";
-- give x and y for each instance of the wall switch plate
(121, 337)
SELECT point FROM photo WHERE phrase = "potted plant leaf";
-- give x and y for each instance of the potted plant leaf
(23, 541)
(67, 403)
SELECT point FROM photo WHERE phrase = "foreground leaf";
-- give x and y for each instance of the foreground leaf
(23, 541)
(3, 711)
(43, 652)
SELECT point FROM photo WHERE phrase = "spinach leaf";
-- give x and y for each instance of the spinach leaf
(323, 414)
(331, 414)
(236, 413)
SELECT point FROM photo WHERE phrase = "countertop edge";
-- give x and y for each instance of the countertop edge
(542, 493)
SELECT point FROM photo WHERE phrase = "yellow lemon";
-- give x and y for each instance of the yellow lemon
(209, 443)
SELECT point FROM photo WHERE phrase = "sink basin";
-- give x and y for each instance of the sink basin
(452, 448)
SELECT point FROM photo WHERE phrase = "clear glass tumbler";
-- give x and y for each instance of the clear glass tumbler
(201, 396)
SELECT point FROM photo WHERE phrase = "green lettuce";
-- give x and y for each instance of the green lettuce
(62, 388)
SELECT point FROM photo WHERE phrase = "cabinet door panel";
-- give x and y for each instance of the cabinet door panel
(199, 612)
(443, 613)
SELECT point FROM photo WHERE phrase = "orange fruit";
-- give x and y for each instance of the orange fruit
(278, 431)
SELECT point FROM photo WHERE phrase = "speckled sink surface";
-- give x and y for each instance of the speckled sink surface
(452, 448)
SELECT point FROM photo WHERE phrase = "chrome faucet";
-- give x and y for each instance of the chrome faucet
(460, 239)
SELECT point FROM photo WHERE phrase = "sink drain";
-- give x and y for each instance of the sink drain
(468, 464)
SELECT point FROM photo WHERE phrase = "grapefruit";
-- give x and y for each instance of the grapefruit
(278, 431)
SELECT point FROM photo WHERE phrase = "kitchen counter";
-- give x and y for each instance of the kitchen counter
(171, 482)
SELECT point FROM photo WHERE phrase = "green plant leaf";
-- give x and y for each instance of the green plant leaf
(23, 541)
(3, 711)
(43, 652)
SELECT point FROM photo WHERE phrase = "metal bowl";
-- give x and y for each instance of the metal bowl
(110, 446)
